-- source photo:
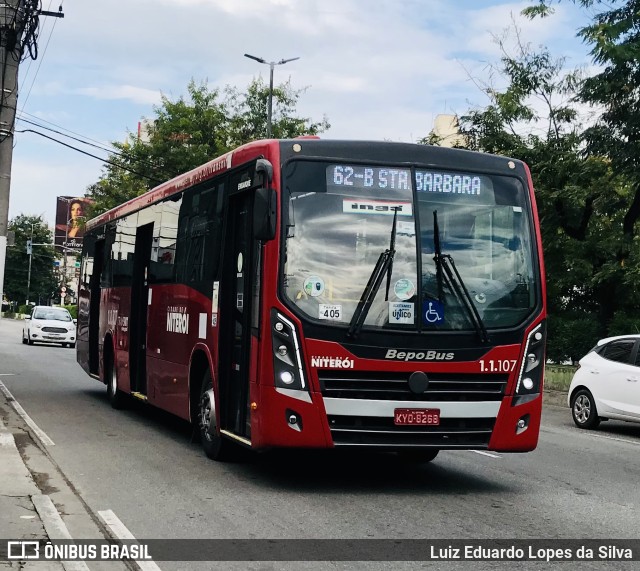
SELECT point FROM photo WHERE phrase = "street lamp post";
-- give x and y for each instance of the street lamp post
(271, 65)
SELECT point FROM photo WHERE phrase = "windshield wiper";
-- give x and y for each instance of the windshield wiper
(444, 262)
(383, 266)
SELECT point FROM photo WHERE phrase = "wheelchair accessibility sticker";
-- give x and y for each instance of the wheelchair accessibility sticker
(432, 312)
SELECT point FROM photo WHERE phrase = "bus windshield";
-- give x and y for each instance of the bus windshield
(340, 218)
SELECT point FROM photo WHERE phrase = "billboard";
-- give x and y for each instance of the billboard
(71, 215)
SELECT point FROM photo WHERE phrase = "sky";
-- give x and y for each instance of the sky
(377, 69)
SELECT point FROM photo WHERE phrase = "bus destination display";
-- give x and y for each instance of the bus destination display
(374, 178)
(391, 178)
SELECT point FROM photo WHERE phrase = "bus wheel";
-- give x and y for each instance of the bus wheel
(215, 447)
(116, 396)
(418, 456)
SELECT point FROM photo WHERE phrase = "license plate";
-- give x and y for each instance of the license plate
(416, 416)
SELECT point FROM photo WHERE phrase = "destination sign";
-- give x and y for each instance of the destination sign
(372, 178)
(399, 179)
(443, 182)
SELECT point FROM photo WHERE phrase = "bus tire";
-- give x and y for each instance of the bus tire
(214, 445)
(115, 395)
(418, 456)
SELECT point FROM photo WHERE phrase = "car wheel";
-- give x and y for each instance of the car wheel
(116, 396)
(583, 410)
(24, 339)
(30, 341)
(214, 445)
(418, 456)
(72, 345)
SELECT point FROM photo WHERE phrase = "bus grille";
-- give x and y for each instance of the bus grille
(381, 432)
(395, 386)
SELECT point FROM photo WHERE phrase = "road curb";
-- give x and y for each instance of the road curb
(554, 398)
(31, 511)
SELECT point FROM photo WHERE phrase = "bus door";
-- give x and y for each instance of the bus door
(238, 280)
(139, 305)
(94, 307)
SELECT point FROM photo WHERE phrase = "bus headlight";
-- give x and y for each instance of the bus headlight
(287, 358)
(532, 368)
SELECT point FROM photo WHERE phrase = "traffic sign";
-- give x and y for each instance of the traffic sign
(63, 289)
(62, 295)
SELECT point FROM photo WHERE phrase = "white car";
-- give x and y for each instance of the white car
(49, 325)
(607, 383)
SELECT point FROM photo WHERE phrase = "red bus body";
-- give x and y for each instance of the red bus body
(156, 335)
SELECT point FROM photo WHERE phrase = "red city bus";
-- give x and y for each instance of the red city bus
(315, 294)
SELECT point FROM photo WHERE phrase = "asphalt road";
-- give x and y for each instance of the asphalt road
(140, 464)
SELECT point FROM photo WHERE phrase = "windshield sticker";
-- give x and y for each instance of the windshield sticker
(377, 207)
(432, 312)
(314, 286)
(330, 312)
(401, 312)
(406, 228)
(404, 289)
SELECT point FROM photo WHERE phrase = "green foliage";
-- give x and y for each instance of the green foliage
(25, 309)
(43, 281)
(571, 336)
(72, 309)
(592, 266)
(192, 130)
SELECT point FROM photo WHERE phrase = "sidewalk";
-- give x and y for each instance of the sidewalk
(19, 520)
(40, 508)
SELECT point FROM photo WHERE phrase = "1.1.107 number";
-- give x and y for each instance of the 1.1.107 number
(497, 365)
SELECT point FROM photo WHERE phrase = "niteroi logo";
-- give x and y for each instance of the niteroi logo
(332, 362)
(177, 320)
(418, 356)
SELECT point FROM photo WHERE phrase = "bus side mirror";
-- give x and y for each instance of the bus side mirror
(264, 214)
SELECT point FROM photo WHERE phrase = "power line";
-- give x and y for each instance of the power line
(101, 146)
(156, 181)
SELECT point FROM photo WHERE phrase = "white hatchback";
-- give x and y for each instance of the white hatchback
(49, 325)
(607, 383)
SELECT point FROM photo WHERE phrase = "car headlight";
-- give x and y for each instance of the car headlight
(37, 326)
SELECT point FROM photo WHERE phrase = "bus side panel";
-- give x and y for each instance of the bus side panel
(179, 318)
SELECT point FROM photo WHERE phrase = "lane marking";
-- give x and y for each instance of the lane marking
(7, 374)
(589, 434)
(42, 436)
(121, 532)
(55, 527)
(486, 453)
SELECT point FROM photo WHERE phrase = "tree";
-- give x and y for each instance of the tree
(43, 280)
(614, 37)
(191, 131)
(581, 199)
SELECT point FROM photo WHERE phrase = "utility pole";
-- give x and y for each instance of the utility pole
(18, 33)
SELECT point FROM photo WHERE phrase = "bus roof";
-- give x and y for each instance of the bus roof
(314, 147)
